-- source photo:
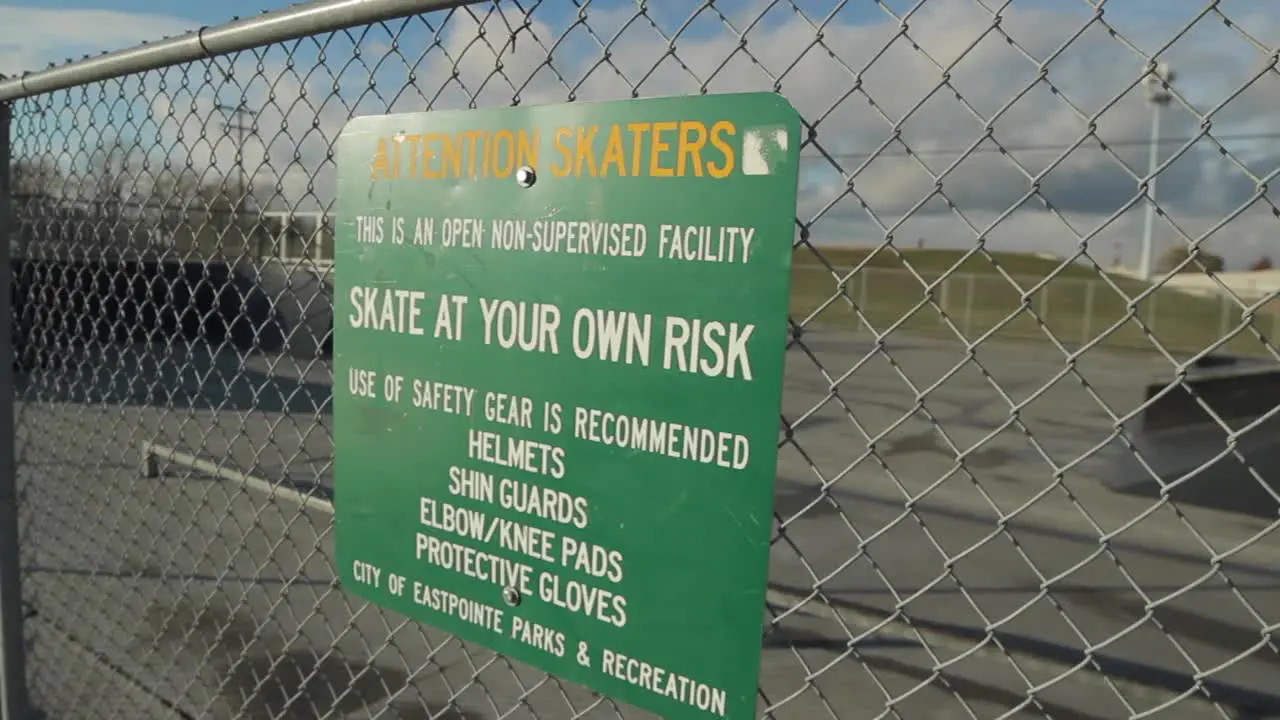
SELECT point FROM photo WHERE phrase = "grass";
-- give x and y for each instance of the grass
(1075, 305)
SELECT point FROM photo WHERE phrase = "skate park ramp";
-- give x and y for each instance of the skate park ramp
(302, 299)
(1211, 439)
(252, 307)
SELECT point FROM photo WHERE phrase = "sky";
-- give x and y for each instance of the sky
(948, 122)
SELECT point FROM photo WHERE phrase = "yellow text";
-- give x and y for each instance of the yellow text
(658, 149)
(469, 154)
(671, 148)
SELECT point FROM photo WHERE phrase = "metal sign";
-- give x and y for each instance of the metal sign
(559, 340)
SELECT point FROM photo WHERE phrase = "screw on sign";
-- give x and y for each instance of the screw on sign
(562, 330)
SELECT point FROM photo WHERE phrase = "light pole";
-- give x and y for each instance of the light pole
(239, 201)
(1156, 85)
(238, 111)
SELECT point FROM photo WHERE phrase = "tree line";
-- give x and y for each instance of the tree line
(1175, 260)
(120, 200)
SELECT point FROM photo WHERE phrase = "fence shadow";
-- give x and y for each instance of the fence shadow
(1247, 702)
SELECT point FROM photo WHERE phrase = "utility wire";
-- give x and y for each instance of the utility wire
(1092, 142)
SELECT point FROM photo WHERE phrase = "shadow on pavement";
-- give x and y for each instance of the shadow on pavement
(295, 682)
(251, 672)
(1248, 703)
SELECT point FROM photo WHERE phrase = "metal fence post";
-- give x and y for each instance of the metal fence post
(1224, 319)
(1151, 312)
(14, 704)
(1086, 325)
(944, 300)
(968, 306)
(1275, 327)
(1044, 306)
(864, 277)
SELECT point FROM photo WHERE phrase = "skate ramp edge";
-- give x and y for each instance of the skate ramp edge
(1182, 437)
(260, 307)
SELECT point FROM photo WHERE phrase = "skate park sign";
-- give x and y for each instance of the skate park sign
(559, 346)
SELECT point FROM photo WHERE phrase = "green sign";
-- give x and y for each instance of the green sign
(559, 340)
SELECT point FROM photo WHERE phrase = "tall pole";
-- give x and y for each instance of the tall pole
(1158, 95)
(14, 701)
(238, 204)
(1149, 207)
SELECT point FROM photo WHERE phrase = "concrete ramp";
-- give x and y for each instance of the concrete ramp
(301, 299)
(1184, 433)
(61, 304)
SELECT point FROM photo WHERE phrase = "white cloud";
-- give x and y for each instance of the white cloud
(32, 37)
(1043, 77)
(870, 83)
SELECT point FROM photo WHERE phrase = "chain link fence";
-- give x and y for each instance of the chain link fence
(1010, 484)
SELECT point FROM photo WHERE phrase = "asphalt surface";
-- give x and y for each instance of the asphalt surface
(944, 588)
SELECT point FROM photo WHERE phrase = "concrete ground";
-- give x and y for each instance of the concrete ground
(903, 583)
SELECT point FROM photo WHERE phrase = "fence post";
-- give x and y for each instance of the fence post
(1086, 326)
(1151, 313)
(1044, 305)
(967, 324)
(944, 300)
(864, 277)
(1224, 320)
(14, 704)
(1275, 326)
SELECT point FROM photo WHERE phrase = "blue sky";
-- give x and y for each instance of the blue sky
(1216, 63)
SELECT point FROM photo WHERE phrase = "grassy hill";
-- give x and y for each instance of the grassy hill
(1077, 304)
(935, 262)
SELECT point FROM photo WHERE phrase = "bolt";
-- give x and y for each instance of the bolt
(526, 176)
(511, 596)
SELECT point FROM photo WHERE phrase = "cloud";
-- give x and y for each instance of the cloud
(899, 105)
(1022, 130)
(31, 37)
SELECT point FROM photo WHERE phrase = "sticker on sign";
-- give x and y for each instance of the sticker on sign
(559, 343)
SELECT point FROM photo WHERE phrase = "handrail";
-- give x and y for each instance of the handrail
(244, 34)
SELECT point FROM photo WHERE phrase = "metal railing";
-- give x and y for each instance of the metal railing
(970, 519)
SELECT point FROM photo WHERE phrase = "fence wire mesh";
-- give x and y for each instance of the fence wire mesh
(980, 510)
